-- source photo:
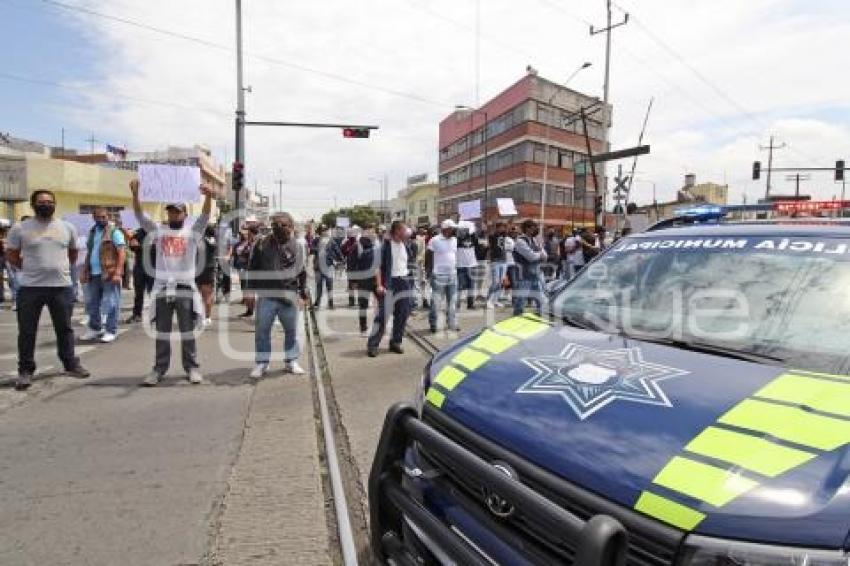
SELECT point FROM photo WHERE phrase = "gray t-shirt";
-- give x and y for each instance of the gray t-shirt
(176, 250)
(44, 251)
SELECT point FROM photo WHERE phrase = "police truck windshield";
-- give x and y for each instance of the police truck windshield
(780, 299)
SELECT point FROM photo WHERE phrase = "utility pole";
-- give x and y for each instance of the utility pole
(607, 85)
(279, 183)
(797, 177)
(240, 111)
(770, 149)
(91, 141)
(63, 142)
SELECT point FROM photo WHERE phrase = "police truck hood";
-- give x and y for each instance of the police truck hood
(708, 444)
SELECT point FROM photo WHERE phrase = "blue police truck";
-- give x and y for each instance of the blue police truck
(686, 401)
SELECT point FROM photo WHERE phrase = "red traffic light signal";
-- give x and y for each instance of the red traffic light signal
(238, 176)
(756, 170)
(839, 170)
(355, 132)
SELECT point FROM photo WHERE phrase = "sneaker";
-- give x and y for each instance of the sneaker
(152, 379)
(293, 367)
(108, 337)
(396, 348)
(79, 372)
(23, 382)
(372, 353)
(259, 371)
(90, 335)
(133, 319)
(433, 330)
(207, 322)
(364, 333)
(246, 314)
(195, 376)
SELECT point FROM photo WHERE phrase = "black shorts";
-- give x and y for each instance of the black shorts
(206, 277)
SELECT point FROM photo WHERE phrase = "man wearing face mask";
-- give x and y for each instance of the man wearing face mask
(43, 249)
(102, 274)
(528, 255)
(174, 291)
(363, 274)
(277, 274)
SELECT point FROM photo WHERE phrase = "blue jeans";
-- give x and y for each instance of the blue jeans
(322, 281)
(105, 294)
(396, 299)
(443, 286)
(284, 309)
(528, 289)
(498, 270)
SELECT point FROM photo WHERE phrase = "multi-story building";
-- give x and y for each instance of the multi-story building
(419, 204)
(520, 123)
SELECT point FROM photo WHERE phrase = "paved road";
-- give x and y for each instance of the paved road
(102, 472)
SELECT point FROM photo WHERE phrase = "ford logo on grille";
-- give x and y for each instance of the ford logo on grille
(498, 505)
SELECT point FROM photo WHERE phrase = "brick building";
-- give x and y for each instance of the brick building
(519, 122)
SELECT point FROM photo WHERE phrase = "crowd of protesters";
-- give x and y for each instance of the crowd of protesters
(179, 267)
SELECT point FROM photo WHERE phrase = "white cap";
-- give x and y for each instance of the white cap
(447, 224)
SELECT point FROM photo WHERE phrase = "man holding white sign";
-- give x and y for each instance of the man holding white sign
(174, 290)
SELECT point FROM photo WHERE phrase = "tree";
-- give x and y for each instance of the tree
(360, 215)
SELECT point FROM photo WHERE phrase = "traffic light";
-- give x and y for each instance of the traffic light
(756, 170)
(238, 176)
(598, 203)
(355, 132)
(839, 170)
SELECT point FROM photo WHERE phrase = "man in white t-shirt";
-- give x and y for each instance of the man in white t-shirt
(467, 242)
(441, 266)
(572, 255)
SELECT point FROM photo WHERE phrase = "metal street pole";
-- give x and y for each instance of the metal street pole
(473, 112)
(549, 148)
(240, 111)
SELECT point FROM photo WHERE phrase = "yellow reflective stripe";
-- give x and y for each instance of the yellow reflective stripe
(435, 397)
(789, 423)
(521, 327)
(704, 482)
(534, 317)
(819, 394)
(470, 359)
(493, 343)
(816, 374)
(749, 452)
(669, 511)
(449, 377)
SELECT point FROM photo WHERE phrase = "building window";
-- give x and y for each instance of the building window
(412, 209)
(423, 207)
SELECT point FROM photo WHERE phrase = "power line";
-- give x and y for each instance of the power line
(259, 57)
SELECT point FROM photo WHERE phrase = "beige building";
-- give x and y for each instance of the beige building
(419, 203)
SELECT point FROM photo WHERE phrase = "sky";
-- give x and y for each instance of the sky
(725, 75)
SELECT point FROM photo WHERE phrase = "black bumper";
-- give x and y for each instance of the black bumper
(599, 541)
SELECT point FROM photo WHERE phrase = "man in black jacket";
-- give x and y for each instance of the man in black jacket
(277, 275)
(393, 288)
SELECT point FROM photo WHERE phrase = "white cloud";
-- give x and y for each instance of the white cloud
(779, 60)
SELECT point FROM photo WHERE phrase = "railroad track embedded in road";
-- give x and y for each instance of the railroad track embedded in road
(422, 342)
(349, 538)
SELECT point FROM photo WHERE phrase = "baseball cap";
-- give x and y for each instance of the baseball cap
(448, 223)
(176, 206)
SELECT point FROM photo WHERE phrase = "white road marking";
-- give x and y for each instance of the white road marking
(79, 350)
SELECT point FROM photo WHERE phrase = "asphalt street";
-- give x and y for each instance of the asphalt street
(101, 471)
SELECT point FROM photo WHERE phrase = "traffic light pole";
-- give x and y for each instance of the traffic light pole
(240, 115)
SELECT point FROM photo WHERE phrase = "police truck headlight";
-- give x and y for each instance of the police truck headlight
(704, 551)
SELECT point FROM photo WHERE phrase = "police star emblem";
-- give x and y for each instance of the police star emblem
(589, 379)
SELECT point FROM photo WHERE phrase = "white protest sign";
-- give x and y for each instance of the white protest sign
(129, 220)
(506, 207)
(81, 222)
(343, 222)
(469, 210)
(169, 183)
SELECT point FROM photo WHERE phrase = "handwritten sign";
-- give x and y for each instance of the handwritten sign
(469, 210)
(129, 220)
(82, 223)
(506, 207)
(169, 183)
